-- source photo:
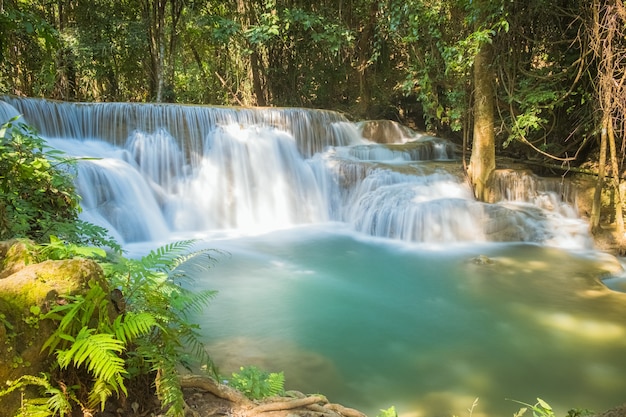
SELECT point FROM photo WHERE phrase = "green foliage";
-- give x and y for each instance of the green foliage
(389, 412)
(257, 384)
(54, 401)
(36, 183)
(101, 355)
(579, 412)
(38, 199)
(57, 250)
(140, 328)
(86, 336)
(154, 286)
(539, 409)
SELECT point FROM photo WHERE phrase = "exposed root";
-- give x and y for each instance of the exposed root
(219, 390)
(299, 405)
(345, 411)
(288, 404)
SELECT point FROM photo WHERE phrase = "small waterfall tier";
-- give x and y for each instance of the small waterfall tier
(163, 169)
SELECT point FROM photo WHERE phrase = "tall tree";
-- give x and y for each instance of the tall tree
(483, 159)
(606, 30)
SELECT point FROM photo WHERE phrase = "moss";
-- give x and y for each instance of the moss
(40, 284)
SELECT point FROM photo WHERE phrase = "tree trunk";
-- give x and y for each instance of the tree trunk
(257, 83)
(615, 180)
(596, 207)
(255, 70)
(483, 159)
(154, 15)
(364, 48)
(605, 34)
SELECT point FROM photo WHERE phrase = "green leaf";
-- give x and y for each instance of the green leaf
(544, 404)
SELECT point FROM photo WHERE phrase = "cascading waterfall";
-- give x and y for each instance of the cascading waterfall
(359, 256)
(185, 168)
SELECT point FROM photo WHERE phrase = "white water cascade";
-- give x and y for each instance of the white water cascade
(167, 169)
(360, 263)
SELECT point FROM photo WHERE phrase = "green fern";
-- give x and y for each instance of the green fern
(130, 326)
(76, 314)
(55, 401)
(151, 335)
(257, 384)
(168, 386)
(58, 249)
(101, 354)
(155, 286)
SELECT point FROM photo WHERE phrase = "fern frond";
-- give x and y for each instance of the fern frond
(99, 394)
(131, 325)
(186, 301)
(200, 266)
(100, 353)
(74, 315)
(161, 258)
(23, 381)
(168, 387)
(198, 301)
(276, 383)
(58, 402)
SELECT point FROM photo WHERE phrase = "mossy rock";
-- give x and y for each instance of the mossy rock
(14, 255)
(28, 290)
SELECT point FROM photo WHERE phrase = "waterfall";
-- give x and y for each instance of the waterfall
(165, 169)
(115, 122)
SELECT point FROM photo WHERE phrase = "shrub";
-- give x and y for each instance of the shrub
(136, 328)
(38, 198)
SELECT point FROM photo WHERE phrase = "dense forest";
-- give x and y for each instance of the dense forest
(536, 80)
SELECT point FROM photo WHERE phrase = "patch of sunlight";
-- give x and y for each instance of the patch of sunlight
(583, 327)
(523, 264)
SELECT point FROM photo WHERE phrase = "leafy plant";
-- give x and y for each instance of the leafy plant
(36, 184)
(257, 384)
(539, 409)
(155, 285)
(87, 336)
(57, 401)
(579, 412)
(140, 328)
(389, 412)
(38, 197)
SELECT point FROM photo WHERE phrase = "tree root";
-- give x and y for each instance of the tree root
(219, 390)
(288, 404)
(300, 405)
(344, 411)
